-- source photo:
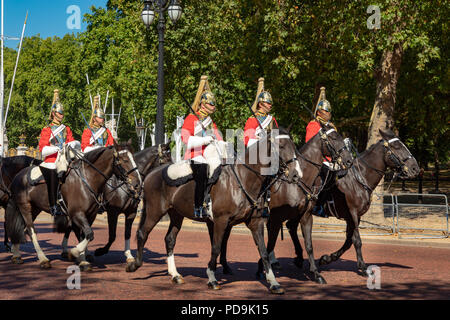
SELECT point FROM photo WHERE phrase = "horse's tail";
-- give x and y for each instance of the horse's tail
(14, 223)
(60, 223)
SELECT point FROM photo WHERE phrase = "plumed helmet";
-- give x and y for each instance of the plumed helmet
(208, 97)
(97, 111)
(322, 103)
(265, 97)
(56, 104)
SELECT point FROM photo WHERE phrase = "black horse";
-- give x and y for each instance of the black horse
(84, 181)
(295, 199)
(119, 199)
(235, 197)
(352, 193)
(11, 166)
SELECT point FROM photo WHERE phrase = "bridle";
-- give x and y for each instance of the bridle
(400, 164)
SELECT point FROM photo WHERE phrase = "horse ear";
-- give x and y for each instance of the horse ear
(289, 128)
(384, 134)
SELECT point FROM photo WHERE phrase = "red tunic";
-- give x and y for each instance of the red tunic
(44, 141)
(250, 128)
(188, 129)
(86, 139)
(312, 129)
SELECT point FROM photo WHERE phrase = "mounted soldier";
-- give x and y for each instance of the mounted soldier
(53, 138)
(322, 115)
(258, 125)
(96, 134)
(261, 122)
(197, 132)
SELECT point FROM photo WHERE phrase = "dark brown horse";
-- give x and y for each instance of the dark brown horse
(235, 197)
(85, 179)
(295, 200)
(119, 199)
(352, 193)
(11, 166)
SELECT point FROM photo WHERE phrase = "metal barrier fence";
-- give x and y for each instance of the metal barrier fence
(408, 215)
(430, 209)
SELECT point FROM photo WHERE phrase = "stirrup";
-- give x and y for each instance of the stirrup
(56, 211)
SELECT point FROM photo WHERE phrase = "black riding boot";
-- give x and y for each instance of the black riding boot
(200, 174)
(327, 177)
(51, 178)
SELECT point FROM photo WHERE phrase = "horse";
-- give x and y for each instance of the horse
(11, 166)
(352, 193)
(235, 197)
(295, 200)
(84, 180)
(119, 199)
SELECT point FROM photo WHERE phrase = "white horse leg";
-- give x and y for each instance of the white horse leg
(44, 262)
(127, 251)
(172, 269)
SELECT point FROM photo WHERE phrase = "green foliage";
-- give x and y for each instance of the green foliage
(296, 46)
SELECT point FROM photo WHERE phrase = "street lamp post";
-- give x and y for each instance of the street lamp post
(148, 15)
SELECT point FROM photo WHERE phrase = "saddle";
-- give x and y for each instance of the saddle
(180, 173)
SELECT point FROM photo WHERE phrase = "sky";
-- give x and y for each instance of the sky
(45, 17)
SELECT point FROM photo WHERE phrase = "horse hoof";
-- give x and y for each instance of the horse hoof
(214, 285)
(276, 290)
(320, 280)
(90, 258)
(45, 265)
(65, 255)
(70, 256)
(276, 266)
(325, 259)
(131, 267)
(17, 260)
(85, 267)
(178, 280)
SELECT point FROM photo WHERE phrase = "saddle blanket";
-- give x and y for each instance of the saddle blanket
(35, 176)
(180, 173)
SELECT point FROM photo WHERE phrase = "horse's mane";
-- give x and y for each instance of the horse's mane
(20, 160)
(141, 152)
(370, 149)
(93, 155)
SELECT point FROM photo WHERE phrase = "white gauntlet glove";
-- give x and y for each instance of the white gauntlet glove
(48, 150)
(195, 141)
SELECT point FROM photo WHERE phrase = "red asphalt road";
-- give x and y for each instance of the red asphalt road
(407, 272)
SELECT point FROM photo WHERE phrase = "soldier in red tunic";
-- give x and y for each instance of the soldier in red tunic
(197, 132)
(322, 117)
(52, 139)
(264, 121)
(96, 135)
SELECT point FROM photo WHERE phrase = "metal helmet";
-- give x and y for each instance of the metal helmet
(96, 112)
(265, 97)
(208, 97)
(323, 103)
(56, 104)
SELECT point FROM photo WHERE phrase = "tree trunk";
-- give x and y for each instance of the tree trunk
(383, 110)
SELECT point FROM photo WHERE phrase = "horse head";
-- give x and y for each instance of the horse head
(125, 168)
(287, 154)
(397, 156)
(333, 146)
